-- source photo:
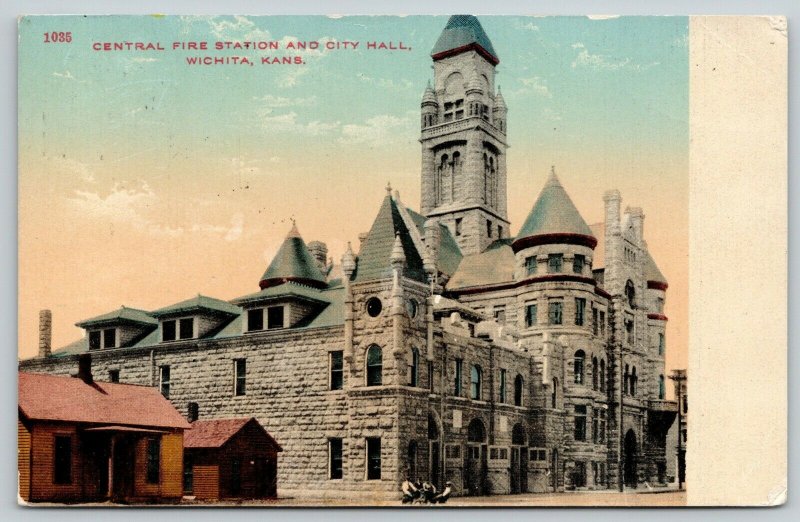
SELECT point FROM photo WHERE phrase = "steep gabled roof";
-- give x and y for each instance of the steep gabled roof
(121, 315)
(449, 253)
(201, 304)
(293, 262)
(373, 259)
(463, 33)
(214, 433)
(554, 219)
(651, 271)
(70, 399)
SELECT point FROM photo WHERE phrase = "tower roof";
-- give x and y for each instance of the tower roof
(293, 262)
(464, 33)
(654, 277)
(554, 219)
(374, 259)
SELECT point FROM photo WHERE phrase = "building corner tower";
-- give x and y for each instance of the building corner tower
(464, 138)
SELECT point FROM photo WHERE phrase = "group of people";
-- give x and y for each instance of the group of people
(425, 493)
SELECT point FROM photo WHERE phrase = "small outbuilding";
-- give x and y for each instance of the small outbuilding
(81, 441)
(230, 458)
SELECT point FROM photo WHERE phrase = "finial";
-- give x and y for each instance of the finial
(293, 232)
(348, 261)
(397, 196)
(389, 188)
(552, 170)
(398, 257)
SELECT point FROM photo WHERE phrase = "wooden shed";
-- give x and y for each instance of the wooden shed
(82, 441)
(230, 458)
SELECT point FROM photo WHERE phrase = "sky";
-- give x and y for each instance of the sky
(144, 180)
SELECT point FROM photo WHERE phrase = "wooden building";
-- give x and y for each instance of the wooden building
(230, 458)
(84, 441)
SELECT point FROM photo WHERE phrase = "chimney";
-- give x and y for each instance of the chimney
(612, 200)
(85, 368)
(45, 333)
(636, 215)
(193, 412)
(319, 251)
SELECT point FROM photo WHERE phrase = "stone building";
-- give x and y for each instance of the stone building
(443, 349)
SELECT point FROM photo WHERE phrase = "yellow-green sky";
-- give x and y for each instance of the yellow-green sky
(144, 181)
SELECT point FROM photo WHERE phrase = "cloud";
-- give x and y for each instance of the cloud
(378, 130)
(288, 122)
(291, 77)
(530, 26)
(66, 75)
(240, 29)
(64, 165)
(386, 83)
(236, 228)
(280, 101)
(535, 85)
(144, 59)
(605, 62)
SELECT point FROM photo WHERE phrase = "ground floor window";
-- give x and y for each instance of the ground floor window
(153, 460)
(579, 475)
(62, 474)
(335, 452)
(188, 474)
(373, 458)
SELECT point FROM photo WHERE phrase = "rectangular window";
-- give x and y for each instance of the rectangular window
(459, 368)
(187, 328)
(255, 319)
(430, 376)
(602, 323)
(274, 317)
(660, 344)
(577, 263)
(335, 458)
(580, 311)
(554, 263)
(502, 386)
(373, 458)
(488, 228)
(109, 338)
(95, 340)
(499, 232)
(453, 451)
(240, 377)
(530, 315)
(554, 312)
(113, 375)
(531, 265)
(153, 460)
(458, 226)
(500, 314)
(62, 452)
(236, 475)
(595, 326)
(595, 429)
(337, 370)
(188, 474)
(629, 334)
(164, 381)
(601, 437)
(580, 422)
(168, 331)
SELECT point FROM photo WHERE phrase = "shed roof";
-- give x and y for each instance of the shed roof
(462, 33)
(70, 399)
(214, 433)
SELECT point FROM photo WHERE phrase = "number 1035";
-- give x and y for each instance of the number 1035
(58, 37)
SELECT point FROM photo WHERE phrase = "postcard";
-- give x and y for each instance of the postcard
(401, 261)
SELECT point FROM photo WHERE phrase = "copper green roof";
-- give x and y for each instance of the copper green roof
(293, 262)
(376, 251)
(289, 289)
(554, 219)
(449, 253)
(651, 271)
(463, 33)
(200, 303)
(122, 315)
(495, 265)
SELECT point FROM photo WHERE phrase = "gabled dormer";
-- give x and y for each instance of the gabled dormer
(194, 318)
(118, 329)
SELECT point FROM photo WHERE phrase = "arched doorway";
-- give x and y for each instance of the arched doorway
(475, 479)
(519, 460)
(630, 450)
(434, 451)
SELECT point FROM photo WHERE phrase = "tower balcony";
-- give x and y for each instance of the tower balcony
(468, 123)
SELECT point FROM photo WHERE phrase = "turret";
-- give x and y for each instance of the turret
(293, 262)
(499, 112)
(430, 108)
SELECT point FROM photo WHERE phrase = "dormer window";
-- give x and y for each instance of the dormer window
(275, 317)
(106, 338)
(255, 319)
(186, 328)
(174, 329)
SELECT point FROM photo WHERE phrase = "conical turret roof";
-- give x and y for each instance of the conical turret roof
(464, 33)
(554, 219)
(293, 262)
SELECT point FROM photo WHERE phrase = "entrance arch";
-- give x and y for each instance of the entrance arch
(519, 460)
(475, 471)
(631, 449)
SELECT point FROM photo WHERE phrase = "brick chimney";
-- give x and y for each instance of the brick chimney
(85, 368)
(319, 252)
(45, 333)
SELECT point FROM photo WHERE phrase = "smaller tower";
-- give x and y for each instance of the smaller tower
(430, 108)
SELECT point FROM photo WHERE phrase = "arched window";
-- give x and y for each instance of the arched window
(518, 435)
(476, 432)
(633, 382)
(630, 293)
(580, 358)
(374, 366)
(602, 375)
(475, 379)
(554, 395)
(414, 367)
(595, 373)
(626, 378)
(661, 388)
(518, 387)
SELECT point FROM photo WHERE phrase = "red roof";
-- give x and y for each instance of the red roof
(69, 399)
(214, 433)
